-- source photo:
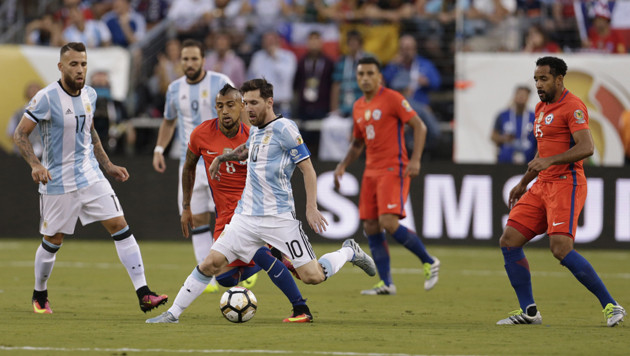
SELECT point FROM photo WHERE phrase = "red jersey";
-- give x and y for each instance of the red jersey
(554, 125)
(208, 141)
(380, 124)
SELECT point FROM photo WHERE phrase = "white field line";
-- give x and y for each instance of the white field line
(207, 351)
(466, 272)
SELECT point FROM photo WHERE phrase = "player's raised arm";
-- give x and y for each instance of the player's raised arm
(315, 219)
(419, 138)
(356, 147)
(188, 182)
(165, 134)
(38, 172)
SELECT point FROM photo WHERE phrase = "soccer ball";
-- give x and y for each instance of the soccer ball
(238, 304)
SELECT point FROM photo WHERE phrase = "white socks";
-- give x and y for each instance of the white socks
(333, 261)
(202, 242)
(44, 262)
(192, 288)
(129, 254)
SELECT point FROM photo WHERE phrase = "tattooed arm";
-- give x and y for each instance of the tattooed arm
(38, 172)
(120, 173)
(240, 153)
(188, 182)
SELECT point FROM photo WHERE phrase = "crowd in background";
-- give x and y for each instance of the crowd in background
(314, 78)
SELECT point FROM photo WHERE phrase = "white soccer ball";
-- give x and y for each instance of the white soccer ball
(238, 304)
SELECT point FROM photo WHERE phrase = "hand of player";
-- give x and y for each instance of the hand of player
(412, 170)
(539, 164)
(186, 221)
(213, 170)
(40, 174)
(120, 173)
(516, 193)
(339, 172)
(316, 220)
(158, 162)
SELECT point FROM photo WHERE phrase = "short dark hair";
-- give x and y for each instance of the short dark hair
(370, 60)
(228, 88)
(314, 33)
(354, 34)
(74, 46)
(194, 43)
(523, 87)
(266, 88)
(556, 65)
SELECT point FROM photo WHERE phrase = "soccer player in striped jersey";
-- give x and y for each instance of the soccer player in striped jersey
(379, 117)
(266, 211)
(554, 201)
(71, 184)
(190, 100)
(208, 140)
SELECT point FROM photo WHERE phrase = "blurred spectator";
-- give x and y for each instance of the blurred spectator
(600, 35)
(153, 11)
(36, 141)
(341, 10)
(310, 10)
(414, 76)
(537, 41)
(126, 26)
(382, 10)
(513, 130)
(191, 17)
(223, 59)
(63, 14)
(167, 69)
(313, 80)
(44, 31)
(278, 66)
(110, 117)
(345, 89)
(490, 26)
(92, 33)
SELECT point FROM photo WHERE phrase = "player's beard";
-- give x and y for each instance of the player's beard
(72, 84)
(195, 75)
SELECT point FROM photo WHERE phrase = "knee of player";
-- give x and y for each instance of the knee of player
(371, 227)
(312, 276)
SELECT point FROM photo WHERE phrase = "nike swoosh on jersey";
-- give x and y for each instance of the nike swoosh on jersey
(556, 224)
(211, 153)
(391, 206)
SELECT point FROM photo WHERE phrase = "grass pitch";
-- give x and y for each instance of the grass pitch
(96, 311)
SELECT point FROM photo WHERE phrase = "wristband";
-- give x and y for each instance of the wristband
(158, 149)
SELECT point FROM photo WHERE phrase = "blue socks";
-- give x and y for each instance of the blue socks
(380, 254)
(517, 269)
(412, 242)
(279, 274)
(584, 272)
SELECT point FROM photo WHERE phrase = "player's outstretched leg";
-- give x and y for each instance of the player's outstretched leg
(360, 258)
(192, 288)
(614, 314)
(201, 237)
(44, 262)
(129, 254)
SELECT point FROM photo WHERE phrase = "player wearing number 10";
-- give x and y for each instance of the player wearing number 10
(379, 117)
(70, 182)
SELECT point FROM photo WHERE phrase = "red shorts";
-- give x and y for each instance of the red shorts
(236, 263)
(548, 207)
(384, 194)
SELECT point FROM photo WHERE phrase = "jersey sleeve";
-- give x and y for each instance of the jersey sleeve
(170, 112)
(39, 107)
(291, 140)
(356, 130)
(402, 108)
(577, 117)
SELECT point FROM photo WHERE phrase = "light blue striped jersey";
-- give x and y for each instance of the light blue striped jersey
(274, 151)
(65, 122)
(193, 104)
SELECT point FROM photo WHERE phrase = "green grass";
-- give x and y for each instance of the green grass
(96, 310)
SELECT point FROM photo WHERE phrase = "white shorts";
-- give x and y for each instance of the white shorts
(201, 201)
(245, 234)
(59, 212)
